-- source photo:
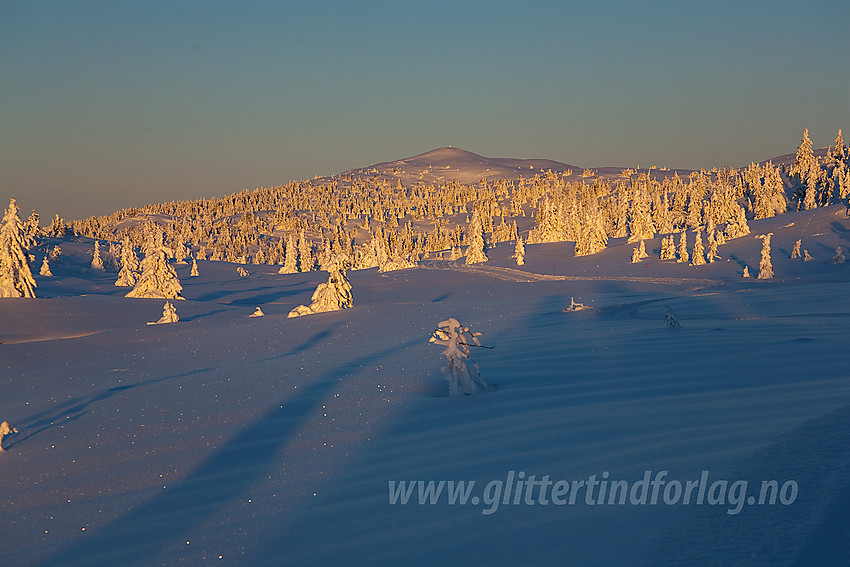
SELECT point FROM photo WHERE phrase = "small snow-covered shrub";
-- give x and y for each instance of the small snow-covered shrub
(461, 371)
(839, 257)
(670, 319)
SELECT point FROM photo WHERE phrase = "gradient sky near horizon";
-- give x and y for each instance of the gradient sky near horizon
(112, 104)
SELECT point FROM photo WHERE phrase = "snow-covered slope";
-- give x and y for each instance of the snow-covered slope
(264, 441)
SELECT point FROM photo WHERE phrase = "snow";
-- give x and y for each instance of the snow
(268, 440)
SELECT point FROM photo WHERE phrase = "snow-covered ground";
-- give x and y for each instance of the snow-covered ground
(234, 440)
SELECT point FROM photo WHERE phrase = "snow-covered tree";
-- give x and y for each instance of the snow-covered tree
(671, 321)
(475, 253)
(683, 248)
(257, 313)
(16, 279)
(169, 314)
(746, 273)
(158, 278)
(806, 256)
(519, 251)
(795, 251)
(668, 248)
(243, 273)
(839, 257)
(290, 263)
(45, 267)
(698, 258)
(128, 275)
(330, 296)
(739, 226)
(194, 272)
(96, 260)
(805, 159)
(712, 253)
(765, 266)
(462, 373)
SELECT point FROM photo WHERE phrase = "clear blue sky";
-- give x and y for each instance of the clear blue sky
(109, 104)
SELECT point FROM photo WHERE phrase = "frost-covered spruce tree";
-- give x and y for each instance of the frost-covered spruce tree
(806, 256)
(795, 251)
(96, 260)
(475, 253)
(839, 257)
(462, 373)
(169, 315)
(765, 266)
(16, 278)
(683, 248)
(698, 258)
(290, 263)
(130, 267)
(668, 248)
(330, 296)
(519, 251)
(45, 267)
(739, 226)
(712, 254)
(158, 279)
(194, 273)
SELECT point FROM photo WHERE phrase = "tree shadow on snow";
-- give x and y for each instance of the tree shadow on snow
(76, 407)
(246, 459)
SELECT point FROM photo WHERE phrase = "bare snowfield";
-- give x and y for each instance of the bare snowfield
(268, 441)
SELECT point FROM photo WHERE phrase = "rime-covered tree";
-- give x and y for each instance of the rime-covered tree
(765, 266)
(475, 252)
(16, 278)
(45, 267)
(683, 256)
(668, 248)
(330, 296)
(169, 314)
(290, 263)
(698, 258)
(805, 159)
(712, 253)
(130, 267)
(194, 272)
(158, 278)
(796, 254)
(519, 251)
(462, 373)
(640, 218)
(739, 226)
(839, 257)
(590, 235)
(838, 152)
(96, 260)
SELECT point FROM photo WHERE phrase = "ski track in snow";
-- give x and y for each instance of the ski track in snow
(519, 276)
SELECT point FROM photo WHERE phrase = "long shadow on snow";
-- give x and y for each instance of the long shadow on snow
(294, 289)
(235, 467)
(75, 408)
